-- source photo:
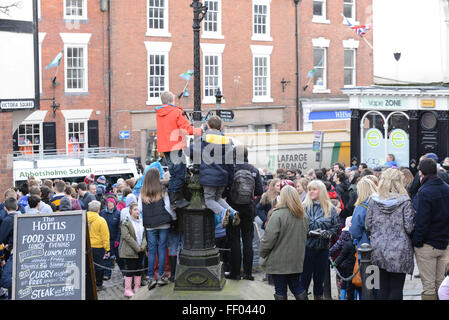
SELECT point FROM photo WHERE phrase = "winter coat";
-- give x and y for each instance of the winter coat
(334, 195)
(342, 191)
(262, 212)
(284, 242)
(65, 204)
(389, 225)
(338, 246)
(113, 221)
(86, 199)
(317, 220)
(346, 259)
(217, 167)
(98, 231)
(357, 228)
(172, 126)
(7, 230)
(128, 242)
(432, 215)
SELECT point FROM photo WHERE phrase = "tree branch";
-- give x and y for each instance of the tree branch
(4, 8)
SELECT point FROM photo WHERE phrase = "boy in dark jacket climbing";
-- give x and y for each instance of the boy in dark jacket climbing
(217, 170)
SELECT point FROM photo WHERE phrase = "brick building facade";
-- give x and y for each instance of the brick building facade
(247, 50)
(240, 43)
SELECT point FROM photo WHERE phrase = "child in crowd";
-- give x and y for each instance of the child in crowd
(216, 170)
(133, 245)
(172, 127)
(345, 260)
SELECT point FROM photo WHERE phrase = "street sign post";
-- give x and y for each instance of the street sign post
(226, 115)
(317, 145)
(125, 135)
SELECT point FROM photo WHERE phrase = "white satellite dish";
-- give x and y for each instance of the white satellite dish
(19, 55)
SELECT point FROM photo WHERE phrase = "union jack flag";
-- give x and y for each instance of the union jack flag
(360, 30)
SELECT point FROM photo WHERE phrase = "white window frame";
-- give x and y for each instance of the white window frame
(322, 18)
(219, 33)
(267, 35)
(80, 40)
(41, 39)
(322, 43)
(25, 123)
(158, 32)
(352, 44)
(352, 20)
(83, 17)
(77, 116)
(209, 49)
(160, 48)
(262, 52)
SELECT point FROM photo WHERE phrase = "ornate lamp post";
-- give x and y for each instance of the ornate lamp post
(199, 267)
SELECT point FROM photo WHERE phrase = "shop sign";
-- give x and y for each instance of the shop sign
(428, 103)
(373, 148)
(384, 103)
(399, 146)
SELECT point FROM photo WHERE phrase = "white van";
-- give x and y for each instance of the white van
(74, 170)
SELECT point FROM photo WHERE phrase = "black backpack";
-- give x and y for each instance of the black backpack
(243, 187)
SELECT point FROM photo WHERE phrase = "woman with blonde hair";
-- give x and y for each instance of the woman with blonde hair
(407, 177)
(301, 187)
(267, 200)
(390, 220)
(373, 178)
(324, 223)
(282, 247)
(365, 189)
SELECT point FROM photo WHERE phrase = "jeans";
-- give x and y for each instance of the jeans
(97, 255)
(315, 264)
(282, 280)
(213, 199)
(177, 169)
(6, 279)
(246, 230)
(157, 243)
(174, 242)
(391, 285)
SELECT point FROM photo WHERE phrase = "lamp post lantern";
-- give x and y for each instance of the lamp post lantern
(199, 265)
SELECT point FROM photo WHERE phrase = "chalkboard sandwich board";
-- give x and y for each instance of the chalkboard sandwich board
(49, 256)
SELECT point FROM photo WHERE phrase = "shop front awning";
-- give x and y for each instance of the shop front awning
(330, 115)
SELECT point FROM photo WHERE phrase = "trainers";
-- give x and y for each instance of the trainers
(236, 219)
(225, 221)
(162, 281)
(151, 284)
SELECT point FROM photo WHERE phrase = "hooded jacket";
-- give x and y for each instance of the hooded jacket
(217, 167)
(432, 215)
(98, 231)
(172, 127)
(389, 225)
(130, 198)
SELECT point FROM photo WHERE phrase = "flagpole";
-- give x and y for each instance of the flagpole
(367, 42)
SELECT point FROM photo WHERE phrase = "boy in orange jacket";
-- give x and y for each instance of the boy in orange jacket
(172, 127)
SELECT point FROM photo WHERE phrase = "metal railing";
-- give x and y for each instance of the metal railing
(102, 152)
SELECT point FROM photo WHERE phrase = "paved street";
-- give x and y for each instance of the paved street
(114, 287)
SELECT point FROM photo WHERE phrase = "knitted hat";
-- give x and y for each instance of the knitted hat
(101, 179)
(111, 200)
(89, 179)
(432, 156)
(287, 183)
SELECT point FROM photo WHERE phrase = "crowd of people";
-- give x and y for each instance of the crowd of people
(307, 222)
(401, 216)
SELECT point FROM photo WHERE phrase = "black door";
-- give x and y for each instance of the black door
(92, 133)
(428, 133)
(49, 135)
